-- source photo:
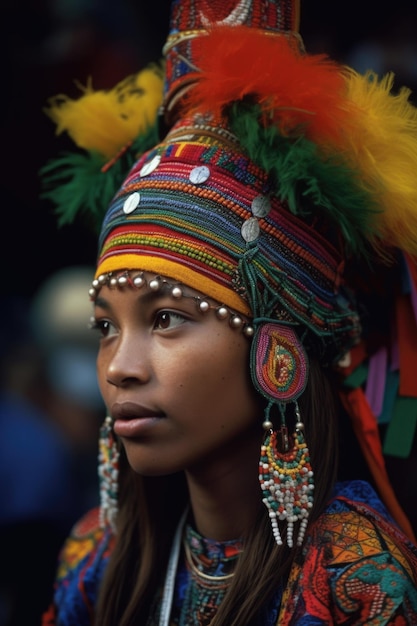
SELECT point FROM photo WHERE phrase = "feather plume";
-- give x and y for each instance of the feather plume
(111, 128)
(382, 145)
(81, 182)
(297, 92)
(105, 121)
(355, 121)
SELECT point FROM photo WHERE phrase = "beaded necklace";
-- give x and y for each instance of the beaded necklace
(200, 580)
(209, 569)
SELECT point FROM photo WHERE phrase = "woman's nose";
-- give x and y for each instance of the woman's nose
(130, 362)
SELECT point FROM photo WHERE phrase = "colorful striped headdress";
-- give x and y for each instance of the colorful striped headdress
(284, 187)
(196, 209)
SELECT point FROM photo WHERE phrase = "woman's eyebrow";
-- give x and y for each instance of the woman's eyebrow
(144, 297)
(101, 303)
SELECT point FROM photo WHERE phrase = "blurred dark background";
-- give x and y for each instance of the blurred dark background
(48, 417)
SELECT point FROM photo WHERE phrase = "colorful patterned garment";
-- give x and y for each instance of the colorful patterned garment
(355, 568)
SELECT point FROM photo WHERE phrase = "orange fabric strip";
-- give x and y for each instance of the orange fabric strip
(177, 271)
(407, 345)
(366, 430)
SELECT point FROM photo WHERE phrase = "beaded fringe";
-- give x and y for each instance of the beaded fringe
(108, 472)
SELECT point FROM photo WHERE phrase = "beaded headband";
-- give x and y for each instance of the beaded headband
(137, 280)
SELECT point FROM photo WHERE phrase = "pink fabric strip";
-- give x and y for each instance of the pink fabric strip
(375, 384)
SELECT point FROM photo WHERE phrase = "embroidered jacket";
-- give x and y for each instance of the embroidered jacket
(356, 567)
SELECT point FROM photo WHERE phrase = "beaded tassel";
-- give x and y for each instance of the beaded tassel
(286, 480)
(108, 472)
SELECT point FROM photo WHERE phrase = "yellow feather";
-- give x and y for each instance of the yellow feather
(382, 144)
(106, 121)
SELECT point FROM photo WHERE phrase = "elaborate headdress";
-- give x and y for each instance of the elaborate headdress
(279, 175)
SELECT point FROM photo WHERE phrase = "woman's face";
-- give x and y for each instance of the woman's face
(175, 380)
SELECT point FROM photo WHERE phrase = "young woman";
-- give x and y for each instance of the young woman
(236, 262)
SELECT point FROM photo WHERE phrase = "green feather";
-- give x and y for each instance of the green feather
(76, 184)
(304, 179)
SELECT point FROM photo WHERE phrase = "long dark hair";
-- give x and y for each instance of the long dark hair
(150, 509)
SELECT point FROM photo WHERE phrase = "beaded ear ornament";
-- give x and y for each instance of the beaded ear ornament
(279, 367)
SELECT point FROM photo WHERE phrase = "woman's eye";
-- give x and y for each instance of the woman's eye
(104, 327)
(166, 320)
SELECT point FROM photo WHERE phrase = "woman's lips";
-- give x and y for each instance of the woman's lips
(133, 420)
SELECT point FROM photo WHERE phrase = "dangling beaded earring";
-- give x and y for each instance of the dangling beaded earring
(279, 371)
(108, 472)
(286, 479)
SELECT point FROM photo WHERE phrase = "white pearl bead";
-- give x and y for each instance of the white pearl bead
(154, 284)
(236, 321)
(222, 312)
(138, 281)
(176, 292)
(248, 331)
(204, 306)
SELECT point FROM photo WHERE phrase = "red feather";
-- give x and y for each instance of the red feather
(294, 89)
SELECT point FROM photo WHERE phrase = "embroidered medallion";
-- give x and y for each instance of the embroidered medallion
(279, 362)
